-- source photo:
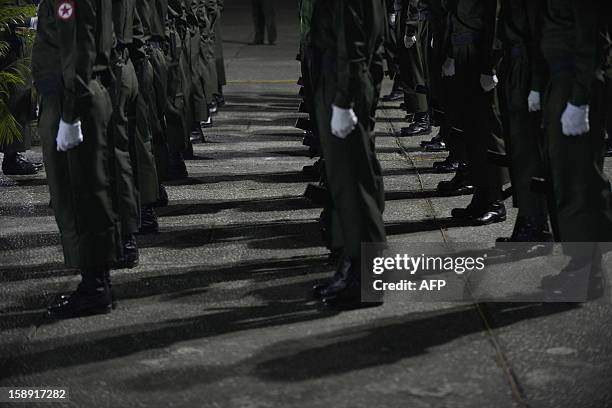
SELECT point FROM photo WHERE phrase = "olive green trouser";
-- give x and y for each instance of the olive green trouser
(198, 99)
(479, 123)
(220, 63)
(121, 134)
(157, 106)
(209, 64)
(523, 137)
(79, 182)
(412, 72)
(608, 101)
(353, 171)
(176, 108)
(146, 171)
(580, 189)
(264, 19)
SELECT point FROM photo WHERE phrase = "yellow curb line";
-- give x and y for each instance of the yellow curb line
(263, 81)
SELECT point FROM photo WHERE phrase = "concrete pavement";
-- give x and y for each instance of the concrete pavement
(219, 312)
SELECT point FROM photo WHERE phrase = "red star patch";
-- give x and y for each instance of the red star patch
(65, 10)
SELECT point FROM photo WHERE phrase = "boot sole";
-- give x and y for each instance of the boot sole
(83, 313)
(494, 221)
(421, 133)
(126, 264)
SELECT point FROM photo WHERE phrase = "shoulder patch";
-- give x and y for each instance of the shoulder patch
(65, 10)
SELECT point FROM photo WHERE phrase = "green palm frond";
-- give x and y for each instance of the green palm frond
(13, 73)
(4, 48)
(10, 130)
(9, 11)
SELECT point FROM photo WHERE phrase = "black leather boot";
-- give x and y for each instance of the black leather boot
(92, 297)
(177, 170)
(481, 215)
(461, 183)
(420, 126)
(448, 165)
(338, 282)
(14, 164)
(130, 257)
(528, 229)
(148, 220)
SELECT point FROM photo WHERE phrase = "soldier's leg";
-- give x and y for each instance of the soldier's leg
(146, 172)
(608, 105)
(159, 98)
(198, 99)
(270, 19)
(220, 62)
(480, 136)
(79, 184)
(258, 21)
(355, 182)
(211, 67)
(524, 140)
(125, 193)
(581, 190)
(354, 175)
(147, 124)
(420, 68)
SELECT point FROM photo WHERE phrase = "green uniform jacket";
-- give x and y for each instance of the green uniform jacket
(70, 50)
(359, 29)
(570, 39)
(473, 21)
(520, 23)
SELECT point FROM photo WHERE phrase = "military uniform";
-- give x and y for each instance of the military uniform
(264, 19)
(346, 35)
(411, 66)
(219, 60)
(150, 13)
(470, 40)
(70, 59)
(124, 94)
(147, 181)
(522, 72)
(573, 51)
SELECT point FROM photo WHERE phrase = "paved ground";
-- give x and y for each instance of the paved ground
(218, 314)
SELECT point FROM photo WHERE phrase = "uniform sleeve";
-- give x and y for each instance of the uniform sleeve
(352, 50)
(137, 51)
(76, 24)
(535, 14)
(585, 52)
(488, 37)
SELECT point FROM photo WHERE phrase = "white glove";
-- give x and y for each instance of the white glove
(409, 40)
(488, 82)
(448, 68)
(343, 121)
(392, 19)
(575, 120)
(69, 135)
(533, 101)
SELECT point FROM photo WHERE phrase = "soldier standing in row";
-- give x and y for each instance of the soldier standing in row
(263, 19)
(124, 95)
(70, 62)
(346, 35)
(573, 113)
(471, 63)
(523, 78)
